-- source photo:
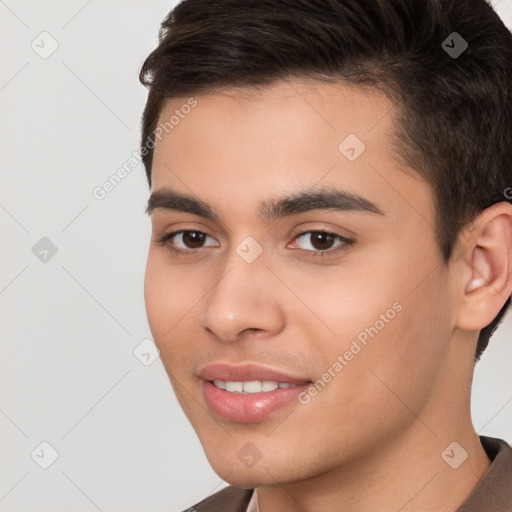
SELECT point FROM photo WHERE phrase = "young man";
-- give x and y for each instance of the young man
(332, 246)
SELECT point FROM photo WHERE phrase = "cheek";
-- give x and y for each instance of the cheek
(386, 319)
(169, 297)
(167, 303)
(338, 304)
(402, 359)
(157, 296)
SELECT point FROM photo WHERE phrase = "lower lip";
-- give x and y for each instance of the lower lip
(248, 407)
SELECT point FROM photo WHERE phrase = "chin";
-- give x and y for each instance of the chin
(244, 478)
(234, 472)
(248, 482)
(263, 473)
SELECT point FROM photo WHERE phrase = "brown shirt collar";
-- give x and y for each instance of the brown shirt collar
(494, 492)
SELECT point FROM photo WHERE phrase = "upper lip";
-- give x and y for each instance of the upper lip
(246, 372)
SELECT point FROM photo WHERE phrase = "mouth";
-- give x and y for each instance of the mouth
(248, 393)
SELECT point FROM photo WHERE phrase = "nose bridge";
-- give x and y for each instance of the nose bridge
(243, 298)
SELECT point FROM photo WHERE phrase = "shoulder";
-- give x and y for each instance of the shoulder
(229, 499)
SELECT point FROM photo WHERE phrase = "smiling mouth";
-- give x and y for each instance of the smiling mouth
(249, 392)
(253, 386)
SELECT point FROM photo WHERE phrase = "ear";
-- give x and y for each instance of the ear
(485, 276)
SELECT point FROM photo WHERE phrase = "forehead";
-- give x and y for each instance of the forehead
(250, 144)
(284, 112)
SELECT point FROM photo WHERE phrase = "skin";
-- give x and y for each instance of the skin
(372, 438)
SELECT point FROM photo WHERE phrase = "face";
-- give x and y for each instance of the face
(291, 247)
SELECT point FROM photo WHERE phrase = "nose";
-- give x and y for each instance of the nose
(244, 300)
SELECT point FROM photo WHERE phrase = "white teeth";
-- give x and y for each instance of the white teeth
(234, 386)
(252, 386)
(269, 385)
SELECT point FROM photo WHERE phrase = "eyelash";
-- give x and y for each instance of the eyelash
(346, 242)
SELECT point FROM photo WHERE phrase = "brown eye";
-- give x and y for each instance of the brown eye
(193, 239)
(187, 240)
(322, 241)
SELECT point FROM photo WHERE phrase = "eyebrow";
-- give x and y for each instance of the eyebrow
(328, 199)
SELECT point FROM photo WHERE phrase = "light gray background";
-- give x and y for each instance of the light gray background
(70, 325)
